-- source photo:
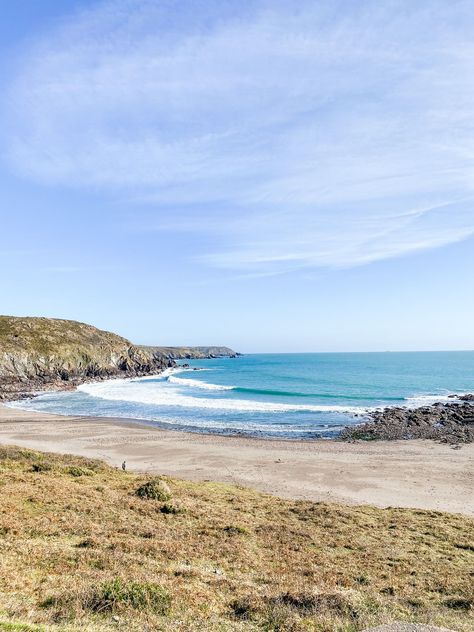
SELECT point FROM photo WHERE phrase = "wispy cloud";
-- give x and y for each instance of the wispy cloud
(79, 269)
(318, 134)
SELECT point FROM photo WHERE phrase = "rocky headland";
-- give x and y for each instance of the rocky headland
(451, 422)
(38, 354)
(193, 353)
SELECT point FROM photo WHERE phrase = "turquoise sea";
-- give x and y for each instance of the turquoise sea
(309, 395)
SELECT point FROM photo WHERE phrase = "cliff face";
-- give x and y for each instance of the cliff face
(197, 353)
(39, 353)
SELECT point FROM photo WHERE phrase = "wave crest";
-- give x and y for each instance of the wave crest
(207, 386)
(147, 393)
(425, 400)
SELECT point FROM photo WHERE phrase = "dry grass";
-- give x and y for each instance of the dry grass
(79, 550)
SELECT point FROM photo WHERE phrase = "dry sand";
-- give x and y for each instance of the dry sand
(420, 474)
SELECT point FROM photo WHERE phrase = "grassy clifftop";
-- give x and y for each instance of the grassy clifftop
(47, 336)
(86, 547)
(39, 351)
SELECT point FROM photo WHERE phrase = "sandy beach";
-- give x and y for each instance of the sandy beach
(421, 474)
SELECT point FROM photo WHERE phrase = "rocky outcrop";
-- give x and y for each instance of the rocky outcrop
(468, 397)
(44, 353)
(194, 353)
(452, 423)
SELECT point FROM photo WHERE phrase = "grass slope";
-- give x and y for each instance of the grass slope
(80, 549)
(49, 336)
(37, 353)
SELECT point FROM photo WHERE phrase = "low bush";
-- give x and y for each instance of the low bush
(155, 489)
(76, 471)
(41, 467)
(117, 594)
(460, 604)
(170, 508)
(310, 603)
(235, 530)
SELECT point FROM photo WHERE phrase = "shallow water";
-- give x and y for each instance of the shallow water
(275, 395)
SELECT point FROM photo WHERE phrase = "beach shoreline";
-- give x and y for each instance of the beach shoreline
(417, 473)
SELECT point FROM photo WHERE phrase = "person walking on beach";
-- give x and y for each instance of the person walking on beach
(124, 466)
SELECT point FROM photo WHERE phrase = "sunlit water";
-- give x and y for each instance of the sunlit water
(275, 395)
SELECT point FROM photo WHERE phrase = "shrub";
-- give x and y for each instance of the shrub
(41, 467)
(311, 603)
(170, 508)
(235, 530)
(244, 608)
(25, 453)
(76, 471)
(156, 489)
(465, 547)
(459, 604)
(88, 543)
(117, 594)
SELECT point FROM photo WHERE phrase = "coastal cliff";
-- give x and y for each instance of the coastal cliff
(193, 353)
(48, 353)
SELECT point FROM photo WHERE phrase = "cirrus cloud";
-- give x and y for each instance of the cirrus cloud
(317, 134)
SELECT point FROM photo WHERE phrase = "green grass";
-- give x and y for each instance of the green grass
(117, 594)
(76, 471)
(86, 553)
(20, 627)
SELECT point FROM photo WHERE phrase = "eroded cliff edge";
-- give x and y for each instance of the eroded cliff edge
(38, 354)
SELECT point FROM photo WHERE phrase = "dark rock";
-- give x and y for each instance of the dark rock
(469, 397)
(452, 422)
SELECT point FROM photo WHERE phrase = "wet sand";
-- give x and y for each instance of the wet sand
(421, 474)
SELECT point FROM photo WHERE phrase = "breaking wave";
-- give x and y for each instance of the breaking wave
(146, 393)
(425, 400)
(172, 379)
(300, 396)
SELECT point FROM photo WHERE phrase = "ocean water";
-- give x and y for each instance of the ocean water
(308, 396)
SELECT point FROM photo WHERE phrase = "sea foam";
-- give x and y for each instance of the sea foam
(207, 386)
(416, 401)
(146, 392)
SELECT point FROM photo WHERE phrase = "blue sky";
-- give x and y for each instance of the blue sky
(275, 176)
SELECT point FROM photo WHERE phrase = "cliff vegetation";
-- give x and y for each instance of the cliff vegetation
(39, 353)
